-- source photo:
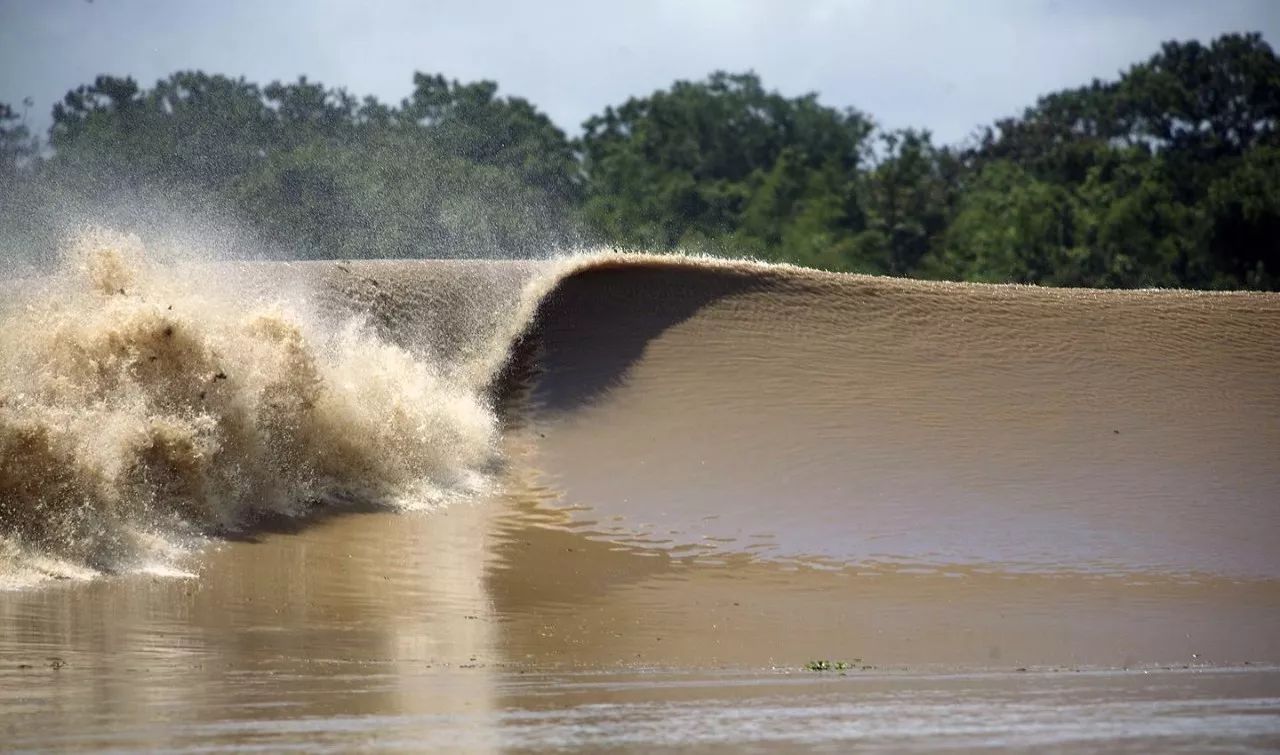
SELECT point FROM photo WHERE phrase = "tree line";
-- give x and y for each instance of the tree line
(1168, 175)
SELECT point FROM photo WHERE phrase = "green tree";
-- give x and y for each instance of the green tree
(1243, 210)
(909, 196)
(1010, 227)
(471, 122)
(455, 168)
(1136, 230)
(1189, 101)
(1152, 161)
(17, 147)
(191, 129)
(686, 162)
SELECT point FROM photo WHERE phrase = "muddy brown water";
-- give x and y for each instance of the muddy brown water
(1022, 518)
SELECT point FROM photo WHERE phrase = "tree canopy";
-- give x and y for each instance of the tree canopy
(1168, 175)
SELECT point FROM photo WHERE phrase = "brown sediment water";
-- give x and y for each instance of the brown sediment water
(619, 501)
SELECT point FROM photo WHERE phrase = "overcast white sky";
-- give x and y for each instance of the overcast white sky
(947, 66)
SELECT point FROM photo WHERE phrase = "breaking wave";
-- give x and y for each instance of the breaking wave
(850, 419)
(142, 405)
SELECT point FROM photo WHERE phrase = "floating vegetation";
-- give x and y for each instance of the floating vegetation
(825, 665)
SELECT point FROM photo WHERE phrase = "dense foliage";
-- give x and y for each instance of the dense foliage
(1167, 176)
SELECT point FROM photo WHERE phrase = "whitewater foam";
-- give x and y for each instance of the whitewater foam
(144, 405)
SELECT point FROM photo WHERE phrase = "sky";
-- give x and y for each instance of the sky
(946, 66)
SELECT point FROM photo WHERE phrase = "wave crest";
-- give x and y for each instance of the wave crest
(141, 403)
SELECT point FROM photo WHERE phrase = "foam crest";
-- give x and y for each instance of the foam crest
(143, 404)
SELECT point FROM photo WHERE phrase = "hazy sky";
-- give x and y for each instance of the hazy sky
(947, 66)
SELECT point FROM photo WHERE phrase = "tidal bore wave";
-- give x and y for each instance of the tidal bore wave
(850, 418)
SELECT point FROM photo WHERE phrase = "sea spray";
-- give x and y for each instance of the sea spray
(143, 404)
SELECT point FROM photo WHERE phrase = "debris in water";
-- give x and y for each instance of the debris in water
(825, 665)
